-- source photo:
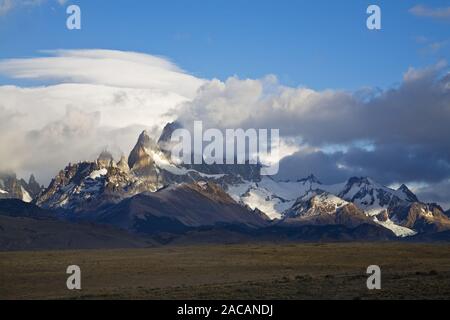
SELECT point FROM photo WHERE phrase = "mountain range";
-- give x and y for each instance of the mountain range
(11, 187)
(146, 198)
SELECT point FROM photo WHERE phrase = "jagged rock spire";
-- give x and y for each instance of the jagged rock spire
(105, 159)
(139, 157)
(167, 132)
(123, 164)
(33, 187)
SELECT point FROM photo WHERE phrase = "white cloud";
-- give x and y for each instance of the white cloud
(267, 104)
(7, 5)
(434, 13)
(105, 67)
(115, 94)
(413, 75)
(331, 116)
(119, 107)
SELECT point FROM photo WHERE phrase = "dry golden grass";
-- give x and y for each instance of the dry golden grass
(259, 271)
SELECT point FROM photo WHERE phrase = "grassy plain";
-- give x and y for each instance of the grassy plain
(249, 271)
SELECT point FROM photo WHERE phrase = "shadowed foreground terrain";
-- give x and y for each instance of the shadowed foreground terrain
(282, 271)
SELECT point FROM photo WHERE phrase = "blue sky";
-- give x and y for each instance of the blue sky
(319, 44)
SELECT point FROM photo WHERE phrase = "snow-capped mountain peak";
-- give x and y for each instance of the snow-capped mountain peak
(373, 197)
(316, 202)
(410, 196)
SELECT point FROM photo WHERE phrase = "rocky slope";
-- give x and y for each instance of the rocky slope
(424, 218)
(180, 208)
(24, 226)
(322, 208)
